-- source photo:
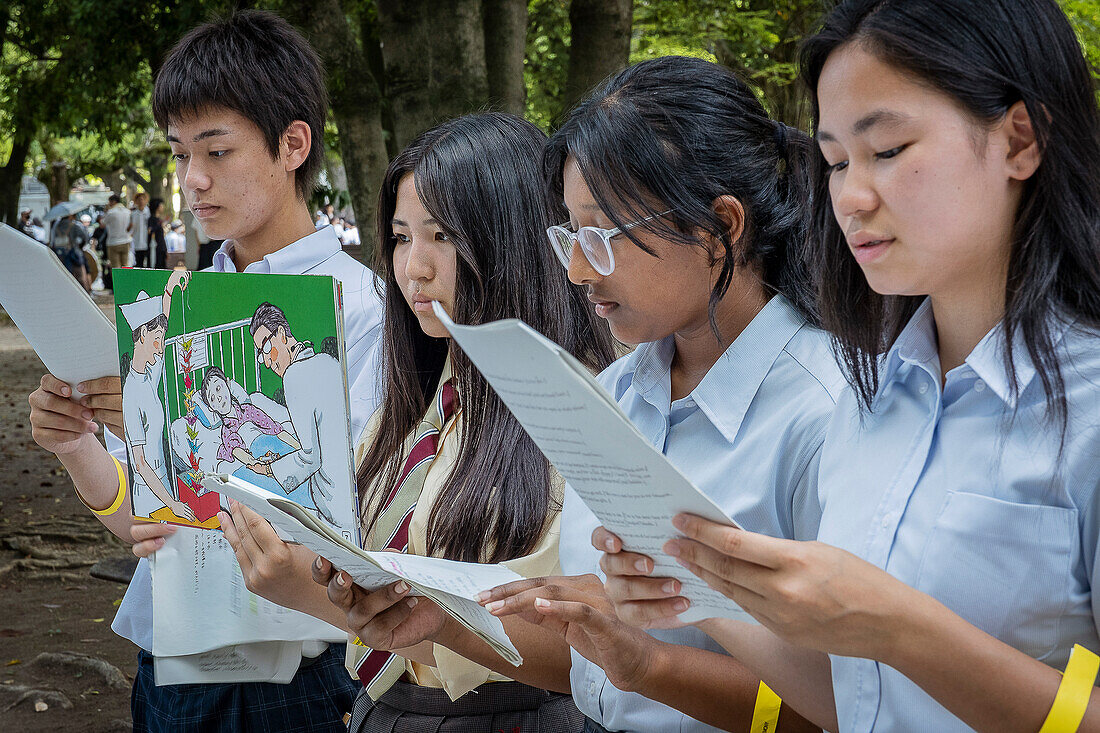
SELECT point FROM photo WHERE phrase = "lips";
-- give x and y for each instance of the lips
(868, 246)
(603, 307)
(204, 210)
(422, 303)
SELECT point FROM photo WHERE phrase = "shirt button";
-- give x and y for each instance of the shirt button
(923, 388)
(979, 385)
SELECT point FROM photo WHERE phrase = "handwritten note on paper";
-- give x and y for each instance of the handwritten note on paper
(272, 661)
(626, 482)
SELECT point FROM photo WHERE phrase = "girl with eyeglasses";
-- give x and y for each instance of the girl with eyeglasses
(957, 217)
(687, 214)
(443, 468)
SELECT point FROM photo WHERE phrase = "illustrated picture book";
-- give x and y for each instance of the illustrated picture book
(234, 373)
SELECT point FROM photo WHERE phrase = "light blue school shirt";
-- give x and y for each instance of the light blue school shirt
(748, 435)
(960, 493)
(318, 253)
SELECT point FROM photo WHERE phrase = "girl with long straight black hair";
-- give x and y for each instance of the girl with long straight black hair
(957, 247)
(443, 467)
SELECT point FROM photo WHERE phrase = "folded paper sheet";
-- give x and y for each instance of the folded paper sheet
(450, 584)
(68, 331)
(273, 661)
(201, 603)
(626, 482)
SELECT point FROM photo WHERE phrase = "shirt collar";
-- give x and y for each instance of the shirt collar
(727, 390)
(917, 344)
(305, 351)
(987, 359)
(300, 256)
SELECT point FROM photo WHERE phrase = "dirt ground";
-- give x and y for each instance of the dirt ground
(57, 650)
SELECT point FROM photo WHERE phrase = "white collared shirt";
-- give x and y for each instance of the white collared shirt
(318, 253)
(748, 436)
(966, 492)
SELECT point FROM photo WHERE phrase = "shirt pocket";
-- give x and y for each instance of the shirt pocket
(1002, 566)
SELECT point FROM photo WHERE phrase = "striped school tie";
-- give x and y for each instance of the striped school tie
(378, 670)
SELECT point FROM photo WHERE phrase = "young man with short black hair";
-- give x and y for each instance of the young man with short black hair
(246, 171)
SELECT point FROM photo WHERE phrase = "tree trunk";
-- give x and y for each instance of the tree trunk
(56, 175)
(364, 152)
(505, 45)
(58, 182)
(599, 45)
(434, 56)
(158, 187)
(11, 179)
(114, 181)
(356, 107)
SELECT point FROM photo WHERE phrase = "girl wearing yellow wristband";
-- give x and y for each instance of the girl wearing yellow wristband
(958, 255)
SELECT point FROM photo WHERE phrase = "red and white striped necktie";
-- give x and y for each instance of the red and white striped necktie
(378, 670)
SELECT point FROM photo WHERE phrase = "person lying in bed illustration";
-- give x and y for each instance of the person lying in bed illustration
(217, 395)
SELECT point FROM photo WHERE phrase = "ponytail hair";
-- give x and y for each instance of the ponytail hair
(673, 135)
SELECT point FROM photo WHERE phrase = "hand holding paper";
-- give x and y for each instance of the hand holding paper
(626, 482)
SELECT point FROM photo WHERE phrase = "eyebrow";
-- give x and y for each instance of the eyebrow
(402, 223)
(884, 117)
(201, 136)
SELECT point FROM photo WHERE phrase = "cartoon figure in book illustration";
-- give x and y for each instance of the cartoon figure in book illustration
(221, 384)
(142, 407)
(218, 395)
(302, 368)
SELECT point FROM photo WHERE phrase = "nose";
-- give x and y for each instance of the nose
(192, 176)
(580, 269)
(853, 192)
(420, 266)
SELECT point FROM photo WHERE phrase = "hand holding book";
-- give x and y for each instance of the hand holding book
(453, 586)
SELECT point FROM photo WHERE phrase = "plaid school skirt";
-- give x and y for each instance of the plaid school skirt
(494, 707)
(317, 699)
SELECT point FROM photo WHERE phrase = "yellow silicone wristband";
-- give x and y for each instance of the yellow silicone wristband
(1073, 694)
(121, 492)
(765, 716)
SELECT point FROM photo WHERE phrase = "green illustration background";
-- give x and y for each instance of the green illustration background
(213, 298)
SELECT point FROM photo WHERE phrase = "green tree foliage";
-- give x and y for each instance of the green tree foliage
(1085, 16)
(75, 75)
(757, 38)
(545, 65)
(58, 68)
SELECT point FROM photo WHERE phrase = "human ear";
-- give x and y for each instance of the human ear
(296, 143)
(1024, 154)
(732, 214)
